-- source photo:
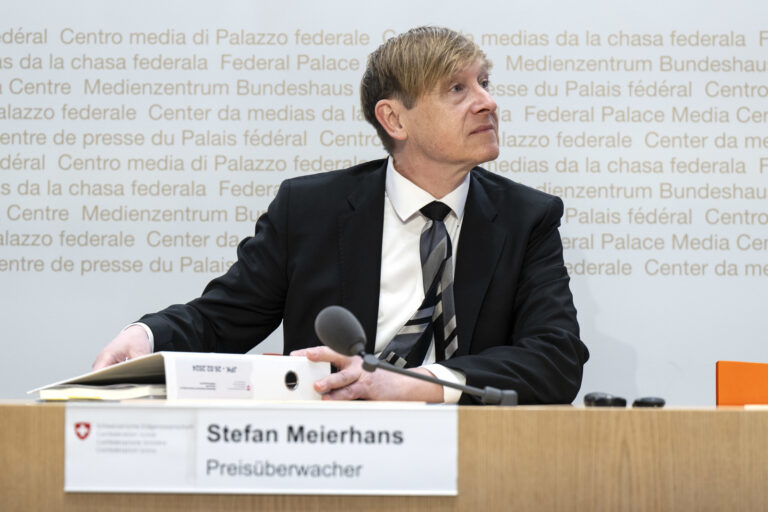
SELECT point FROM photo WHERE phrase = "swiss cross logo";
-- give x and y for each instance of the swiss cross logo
(82, 429)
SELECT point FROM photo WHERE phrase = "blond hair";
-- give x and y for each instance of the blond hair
(410, 65)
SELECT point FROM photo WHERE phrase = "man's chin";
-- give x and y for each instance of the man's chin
(490, 155)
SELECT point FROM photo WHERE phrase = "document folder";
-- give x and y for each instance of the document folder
(203, 375)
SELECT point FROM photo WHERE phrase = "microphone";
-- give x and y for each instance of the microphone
(341, 331)
(338, 329)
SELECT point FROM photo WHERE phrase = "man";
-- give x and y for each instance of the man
(356, 238)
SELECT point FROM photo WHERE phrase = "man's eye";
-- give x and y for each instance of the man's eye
(457, 88)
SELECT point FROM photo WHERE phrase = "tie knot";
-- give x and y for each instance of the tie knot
(436, 210)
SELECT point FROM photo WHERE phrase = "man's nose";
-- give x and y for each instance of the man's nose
(484, 101)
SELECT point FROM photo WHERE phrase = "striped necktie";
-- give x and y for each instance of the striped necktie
(435, 320)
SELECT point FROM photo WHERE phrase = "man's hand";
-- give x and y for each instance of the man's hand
(352, 382)
(131, 342)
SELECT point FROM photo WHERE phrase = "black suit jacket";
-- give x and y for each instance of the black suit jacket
(320, 244)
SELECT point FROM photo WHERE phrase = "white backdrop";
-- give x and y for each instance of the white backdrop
(648, 119)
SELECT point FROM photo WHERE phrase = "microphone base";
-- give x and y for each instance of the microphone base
(489, 395)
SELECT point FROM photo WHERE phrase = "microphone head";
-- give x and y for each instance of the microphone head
(338, 329)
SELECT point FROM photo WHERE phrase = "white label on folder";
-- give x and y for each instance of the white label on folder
(234, 376)
(210, 377)
(317, 448)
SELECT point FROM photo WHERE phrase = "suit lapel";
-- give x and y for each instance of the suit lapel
(480, 245)
(360, 233)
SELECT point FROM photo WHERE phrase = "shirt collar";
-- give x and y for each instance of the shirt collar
(407, 198)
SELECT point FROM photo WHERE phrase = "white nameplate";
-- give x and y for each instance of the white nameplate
(262, 448)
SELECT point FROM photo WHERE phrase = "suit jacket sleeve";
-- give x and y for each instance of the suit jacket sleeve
(541, 355)
(239, 309)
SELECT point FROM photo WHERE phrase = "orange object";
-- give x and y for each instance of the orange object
(740, 383)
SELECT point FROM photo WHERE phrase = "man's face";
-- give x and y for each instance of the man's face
(456, 123)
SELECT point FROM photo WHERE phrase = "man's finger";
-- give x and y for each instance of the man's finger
(133, 354)
(326, 355)
(351, 392)
(337, 380)
(104, 360)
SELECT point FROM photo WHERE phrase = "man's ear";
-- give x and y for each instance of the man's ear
(388, 113)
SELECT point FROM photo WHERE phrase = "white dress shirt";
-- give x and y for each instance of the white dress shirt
(401, 289)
